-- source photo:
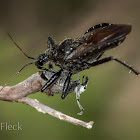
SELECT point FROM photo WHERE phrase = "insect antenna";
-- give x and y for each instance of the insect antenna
(15, 75)
(19, 47)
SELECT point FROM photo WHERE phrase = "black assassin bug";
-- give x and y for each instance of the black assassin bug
(75, 55)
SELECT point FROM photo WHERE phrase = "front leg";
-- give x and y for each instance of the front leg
(66, 85)
(50, 65)
(50, 70)
(42, 68)
(51, 80)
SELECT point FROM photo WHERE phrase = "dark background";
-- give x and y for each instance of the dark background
(112, 98)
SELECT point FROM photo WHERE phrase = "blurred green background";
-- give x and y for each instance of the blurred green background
(112, 99)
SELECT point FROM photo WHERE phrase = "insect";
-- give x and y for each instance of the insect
(75, 55)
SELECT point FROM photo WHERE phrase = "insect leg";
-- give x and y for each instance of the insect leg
(50, 66)
(42, 68)
(107, 59)
(66, 85)
(100, 55)
(19, 47)
(50, 70)
(78, 77)
(86, 81)
(51, 80)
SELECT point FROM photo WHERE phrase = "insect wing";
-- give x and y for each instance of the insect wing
(97, 41)
(108, 33)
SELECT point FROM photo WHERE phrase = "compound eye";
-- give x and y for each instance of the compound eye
(40, 63)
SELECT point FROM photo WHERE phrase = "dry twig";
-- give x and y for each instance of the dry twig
(33, 84)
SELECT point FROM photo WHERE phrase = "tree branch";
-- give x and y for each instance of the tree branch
(33, 84)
